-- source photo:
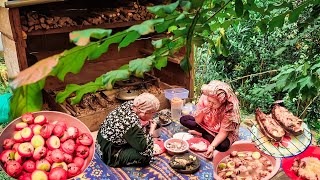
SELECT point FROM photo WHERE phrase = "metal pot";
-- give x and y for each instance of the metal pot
(127, 95)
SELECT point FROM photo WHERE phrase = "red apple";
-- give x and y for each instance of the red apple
(37, 141)
(26, 134)
(36, 128)
(17, 157)
(65, 137)
(17, 137)
(68, 146)
(41, 119)
(43, 164)
(73, 170)
(39, 175)
(85, 139)
(78, 161)
(40, 153)
(46, 130)
(62, 165)
(21, 125)
(57, 155)
(53, 142)
(7, 155)
(68, 158)
(28, 118)
(13, 169)
(59, 130)
(58, 173)
(82, 151)
(73, 132)
(8, 143)
(15, 147)
(49, 157)
(25, 149)
(25, 176)
(29, 166)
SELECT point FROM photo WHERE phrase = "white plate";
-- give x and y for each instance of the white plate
(183, 135)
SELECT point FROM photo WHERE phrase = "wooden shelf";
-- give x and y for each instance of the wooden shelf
(74, 28)
(175, 60)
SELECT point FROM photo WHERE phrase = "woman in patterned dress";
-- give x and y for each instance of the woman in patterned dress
(122, 140)
(217, 117)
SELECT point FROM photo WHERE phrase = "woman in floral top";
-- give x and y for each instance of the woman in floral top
(217, 118)
(122, 140)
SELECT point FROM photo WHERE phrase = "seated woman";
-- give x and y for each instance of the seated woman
(122, 140)
(217, 117)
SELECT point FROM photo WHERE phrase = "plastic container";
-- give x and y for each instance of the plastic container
(188, 109)
(176, 92)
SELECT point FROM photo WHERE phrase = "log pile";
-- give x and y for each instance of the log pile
(33, 21)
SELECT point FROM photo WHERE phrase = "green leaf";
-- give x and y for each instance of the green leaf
(160, 28)
(277, 22)
(280, 51)
(146, 27)
(62, 96)
(161, 62)
(185, 65)
(124, 67)
(112, 76)
(262, 25)
(294, 14)
(141, 65)
(130, 37)
(283, 5)
(73, 60)
(82, 38)
(26, 99)
(239, 8)
(168, 9)
(246, 15)
(102, 48)
(195, 4)
(185, 5)
(157, 43)
(305, 81)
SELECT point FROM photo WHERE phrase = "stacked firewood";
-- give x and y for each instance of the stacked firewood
(36, 21)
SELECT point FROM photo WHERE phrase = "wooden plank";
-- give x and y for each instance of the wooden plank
(14, 16)
(74, 28)
(10, 56)
(5, 27)
(17, 3)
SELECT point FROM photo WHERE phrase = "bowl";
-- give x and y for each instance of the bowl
(176, 92)
(51, 117)
(178, 142)
(244, 146)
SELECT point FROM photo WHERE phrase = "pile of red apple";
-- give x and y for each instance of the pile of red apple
(40, 150)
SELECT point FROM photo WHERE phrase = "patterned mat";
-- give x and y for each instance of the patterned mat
(159, 169)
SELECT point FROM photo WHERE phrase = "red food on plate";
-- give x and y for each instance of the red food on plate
(290, 167)
(198, 144)
(158, 147)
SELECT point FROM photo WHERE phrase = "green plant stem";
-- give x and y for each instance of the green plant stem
(305, 109)
(253, 75)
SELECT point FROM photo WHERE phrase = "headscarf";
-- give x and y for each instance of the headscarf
(146, 102)
(224, 94)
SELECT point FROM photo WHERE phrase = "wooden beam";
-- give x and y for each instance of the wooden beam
(14, 17)
(21, 3)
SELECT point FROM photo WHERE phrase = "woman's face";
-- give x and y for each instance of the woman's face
(213, 103)
(146, 116)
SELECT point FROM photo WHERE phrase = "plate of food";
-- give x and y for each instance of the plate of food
(164, 117)
(243, 161)
(280, 134)
(304, 166)
(198, 144)
(183, 135)
(186, 163)
(158, 147)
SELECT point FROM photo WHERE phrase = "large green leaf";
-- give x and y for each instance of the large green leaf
(112, 76)
(160, 28)
(146, 27)
(139, 66)
(82, 38)
(185, 64)
(294, 14)
(26, 98)
(130, 37)
(72, 60)
(36, 72)
(239, 8)
(185, 5)
(277, 22)
(160, 9)
(102, 48)
(161, 62)
(195, 4)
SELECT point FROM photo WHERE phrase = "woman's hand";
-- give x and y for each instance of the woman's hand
(153, 126)
(194, 132)
(209, 153)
